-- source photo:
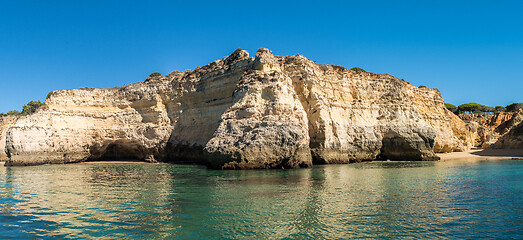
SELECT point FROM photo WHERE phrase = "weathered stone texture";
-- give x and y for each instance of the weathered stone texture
(500, 130)
(240, 113)
(5, 123)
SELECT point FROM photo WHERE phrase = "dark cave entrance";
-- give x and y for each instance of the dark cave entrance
(117, 151)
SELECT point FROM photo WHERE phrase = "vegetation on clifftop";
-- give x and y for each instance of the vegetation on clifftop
(357, 69)
(27, 109)
(155, 74)
(479, 108)
(514, 107)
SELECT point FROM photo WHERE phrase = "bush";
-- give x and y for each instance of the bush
(27, 109)
(155, 74)
(31, 107)
(357, 69)
(470, 107)
(49, 95)
(13, 112)
(500, 109)
(478, 108)
(514, 107)
(487, 109)
(451, 107)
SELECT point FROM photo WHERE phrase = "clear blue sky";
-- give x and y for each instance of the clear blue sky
(472, 51)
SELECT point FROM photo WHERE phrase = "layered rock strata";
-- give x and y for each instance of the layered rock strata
(500, 130)
(241, 113)
(5, 123)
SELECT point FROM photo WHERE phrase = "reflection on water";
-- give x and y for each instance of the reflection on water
(367, 200)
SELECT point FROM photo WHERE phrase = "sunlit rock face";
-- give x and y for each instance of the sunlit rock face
(242, 112)
(502, 130)
(5, 123)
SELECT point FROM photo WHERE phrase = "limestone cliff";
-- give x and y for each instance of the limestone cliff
(5, 123)
(242, 112)
(500, 130)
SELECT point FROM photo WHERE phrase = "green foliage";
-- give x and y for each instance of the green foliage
(479, 108)
(500, 109)
(470, 107)
(357, 69)
(155, 74)
(28, 109)
(451, 107)
(514, 107)
(13, 112)
(31, 107)
(487, 109)
(49, 95)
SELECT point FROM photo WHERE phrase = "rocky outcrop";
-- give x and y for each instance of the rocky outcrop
(5, 123)
(513, 138)
(500, 130)
(241, 113)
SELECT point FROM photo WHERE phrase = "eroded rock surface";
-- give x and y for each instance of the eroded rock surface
(501, 130)
(5, 123)
(241, 113)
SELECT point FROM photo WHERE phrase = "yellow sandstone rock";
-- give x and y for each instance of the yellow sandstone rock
(241, 113)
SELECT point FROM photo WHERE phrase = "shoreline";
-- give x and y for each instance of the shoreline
(473, 154)
(483, 154)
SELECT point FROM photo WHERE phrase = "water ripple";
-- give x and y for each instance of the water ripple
(465, 200)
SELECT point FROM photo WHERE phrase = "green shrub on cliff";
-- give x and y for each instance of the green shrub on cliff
(31, 107)
(49, 95)
(27, 109)
(514, 107)
(500, 109)
(13, 112)
(155, 74)
(234, 55)
(470, 107)
(357, 69)
(451, 107)
(487, 109)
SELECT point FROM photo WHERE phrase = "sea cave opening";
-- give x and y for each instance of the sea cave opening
(117, 151)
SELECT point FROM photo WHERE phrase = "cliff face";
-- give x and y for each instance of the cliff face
(241, 112)
(5, 123)
(500, 130)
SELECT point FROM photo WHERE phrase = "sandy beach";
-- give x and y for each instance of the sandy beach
(483, 154)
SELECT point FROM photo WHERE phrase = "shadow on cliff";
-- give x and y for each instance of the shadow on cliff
(117, 151)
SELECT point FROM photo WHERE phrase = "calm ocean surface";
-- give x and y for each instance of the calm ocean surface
(385, 200)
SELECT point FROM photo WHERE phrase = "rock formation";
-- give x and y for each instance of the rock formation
(241, 113)
(5, 123)
(500, 130)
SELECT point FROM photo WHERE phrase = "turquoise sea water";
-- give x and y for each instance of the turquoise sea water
(384, 200)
